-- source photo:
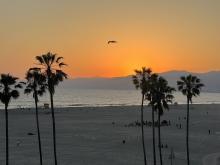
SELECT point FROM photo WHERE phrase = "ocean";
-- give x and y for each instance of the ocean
(68, 97)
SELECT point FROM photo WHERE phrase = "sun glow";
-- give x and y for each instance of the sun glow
(149, 36)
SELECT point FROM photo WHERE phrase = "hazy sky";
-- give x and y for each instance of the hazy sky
(162, 34)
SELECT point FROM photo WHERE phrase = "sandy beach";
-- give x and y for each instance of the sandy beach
(94, 135)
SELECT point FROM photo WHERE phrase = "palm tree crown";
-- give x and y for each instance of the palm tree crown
(35, 81)
(140, 79)
(161, 93)
(8, 86)
(190, 86)
(51, 64)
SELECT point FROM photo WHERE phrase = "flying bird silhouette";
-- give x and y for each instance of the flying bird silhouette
(112, 42)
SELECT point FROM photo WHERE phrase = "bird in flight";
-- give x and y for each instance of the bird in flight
(112, 42)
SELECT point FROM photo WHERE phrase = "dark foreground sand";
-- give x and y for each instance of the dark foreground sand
(86, 136)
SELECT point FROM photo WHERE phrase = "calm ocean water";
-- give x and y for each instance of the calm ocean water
(68, 97)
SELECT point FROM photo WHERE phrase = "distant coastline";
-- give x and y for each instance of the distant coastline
(211, 80)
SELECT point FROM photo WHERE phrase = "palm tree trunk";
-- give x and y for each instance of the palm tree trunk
(159, 139)
(38, 129)
(142, 129)
(6, 134)
(54, 129)
(187, 132)
(153, 132)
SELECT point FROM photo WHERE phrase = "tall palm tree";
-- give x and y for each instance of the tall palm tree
(36, 84)
(161, 96)
(149, 96)
(51, 65)
(8, 85)
(190, 86)
(140, 80)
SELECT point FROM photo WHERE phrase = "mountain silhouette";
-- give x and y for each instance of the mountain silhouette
(210, 79)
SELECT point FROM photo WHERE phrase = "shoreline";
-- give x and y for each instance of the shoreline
(172, 106)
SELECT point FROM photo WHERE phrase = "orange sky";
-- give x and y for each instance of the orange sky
(163, 35)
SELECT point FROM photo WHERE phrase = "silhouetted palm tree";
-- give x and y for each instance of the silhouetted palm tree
(51, 65)
(140, 80)
(36, 84)
(8, 85)
(161, 96)
(149, 97)
(190, 86)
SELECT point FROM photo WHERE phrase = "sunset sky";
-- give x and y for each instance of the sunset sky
(161, 34)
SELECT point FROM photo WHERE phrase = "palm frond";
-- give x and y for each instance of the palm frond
(14, 94)
(52, 59)
(136, 81)
(58, 59)
(18, 86)
(62, 75)
(40, 59)
(137, 72)
(62, 64)
(41, 90)
(28, 90)
(46, 59)
(165, 105)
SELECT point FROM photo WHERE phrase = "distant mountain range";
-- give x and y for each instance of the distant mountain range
(210, 79)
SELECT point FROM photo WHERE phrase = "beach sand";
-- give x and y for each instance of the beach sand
(94, 135)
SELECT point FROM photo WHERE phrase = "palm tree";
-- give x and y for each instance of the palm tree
(161, 96)
(149, 97)
(190, 86)
(8, 85)
(51, 66)
(140, 80)
(36, 83)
